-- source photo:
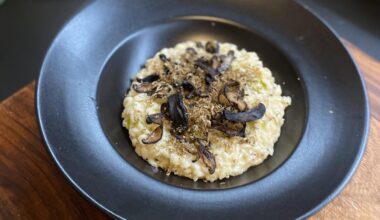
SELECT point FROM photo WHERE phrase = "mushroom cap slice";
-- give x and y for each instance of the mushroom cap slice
(212, 46)
(206, 67)
(155, 118)
(207, 157)
(189, 89)
(144, 88)
(149, 79)
(229, 128)
(177, 112)
(249, 115)
(163, 57)
(191, 51)
(155, 136)
(226, 61)
(230, 94)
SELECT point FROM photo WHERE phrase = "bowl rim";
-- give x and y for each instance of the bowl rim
(324, 202)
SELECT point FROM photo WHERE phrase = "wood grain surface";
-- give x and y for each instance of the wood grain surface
(32, 187)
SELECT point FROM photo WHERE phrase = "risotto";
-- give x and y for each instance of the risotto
(204, 110)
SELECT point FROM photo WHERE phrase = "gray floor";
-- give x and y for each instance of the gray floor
(28, 27)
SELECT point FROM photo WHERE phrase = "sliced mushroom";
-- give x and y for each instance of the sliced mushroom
(201, 94)
(166, 70)
(236, 100)
(212, 47)
(149, 79)
(155, 136)
(215, 62)
(191, 51)
(155, 118)
(205, 66)
(189, 89)
(164, 110)
(237, 129)
(222, 98)
(226, 61)
(232, 83)
(163, 58)
(246, 116)
(177, 113)
(196, 158)
(210, 72)
(231, 94)
(228, 127)
(206, 156)
(199, 44)
(179, 137)
(208, 80)
(144, 88)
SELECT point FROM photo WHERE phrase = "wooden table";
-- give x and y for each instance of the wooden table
(32, 187)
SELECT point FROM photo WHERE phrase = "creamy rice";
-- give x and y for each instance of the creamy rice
(233, 155)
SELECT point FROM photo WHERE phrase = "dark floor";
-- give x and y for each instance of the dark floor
(28, 27)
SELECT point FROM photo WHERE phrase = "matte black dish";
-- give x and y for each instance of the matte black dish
(87, 72)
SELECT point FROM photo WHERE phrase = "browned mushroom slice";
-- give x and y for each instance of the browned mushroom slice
(164, 109)
(222, 98)
(177, 113)
(144, 88)
(205, 66)
(196, 158)
(231, 94)
(236, 129)
(189, 89)
(232, 83)
(179, 137)
(149, 79)
(226, 61)
(236, 100)
(215, 62)
(199, 44)
(249, 115)
(155, 118)
(208, 80)
(202, 94)
(162, 57)
(206, 156)
(166, 70)
(228, 127)
(212, 47)
(155, 136)
(191, 51)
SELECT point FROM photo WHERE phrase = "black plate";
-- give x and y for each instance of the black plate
(88, 69)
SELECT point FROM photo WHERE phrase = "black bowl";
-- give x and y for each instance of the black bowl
(87, 72)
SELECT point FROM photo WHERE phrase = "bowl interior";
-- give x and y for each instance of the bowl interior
(128, 57)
